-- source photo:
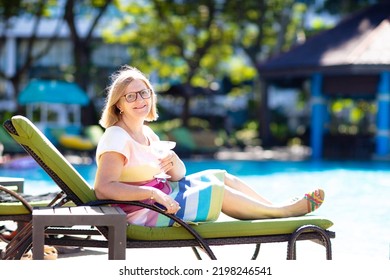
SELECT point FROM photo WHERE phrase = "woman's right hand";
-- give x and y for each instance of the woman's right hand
(168, 202)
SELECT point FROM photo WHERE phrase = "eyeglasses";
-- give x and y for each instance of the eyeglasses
(132, 96)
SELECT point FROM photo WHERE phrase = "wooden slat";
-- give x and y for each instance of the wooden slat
(62, 210)
(45, 211)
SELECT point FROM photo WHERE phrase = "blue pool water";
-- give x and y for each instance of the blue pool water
(357, 195)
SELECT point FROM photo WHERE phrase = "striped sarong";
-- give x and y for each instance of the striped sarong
(200, 197)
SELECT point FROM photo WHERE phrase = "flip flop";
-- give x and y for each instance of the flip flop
(314, 199)
(50, 253)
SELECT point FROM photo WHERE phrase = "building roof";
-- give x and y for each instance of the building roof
(358, 44)
(52, 91)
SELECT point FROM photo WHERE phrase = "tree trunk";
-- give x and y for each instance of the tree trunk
(264, 121)
(82, 50)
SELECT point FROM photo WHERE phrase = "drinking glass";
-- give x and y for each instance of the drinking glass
(161, 149)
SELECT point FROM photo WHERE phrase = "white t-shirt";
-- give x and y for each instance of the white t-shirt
(141, 164)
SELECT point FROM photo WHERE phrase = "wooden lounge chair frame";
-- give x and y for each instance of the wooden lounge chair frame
(23, 213)
(17, 217)
(23, 241)
(24, 216)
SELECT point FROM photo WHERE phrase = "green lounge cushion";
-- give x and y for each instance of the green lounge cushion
(228, 228)
(30, 136)
(17, 208)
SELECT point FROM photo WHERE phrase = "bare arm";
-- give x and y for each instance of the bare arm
(108, 186)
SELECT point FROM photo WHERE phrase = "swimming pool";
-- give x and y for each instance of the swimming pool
(37, 181)
(357, 194)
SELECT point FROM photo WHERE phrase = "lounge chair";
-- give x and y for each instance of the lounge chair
(13, 207)
(204, 235)
(17, 207)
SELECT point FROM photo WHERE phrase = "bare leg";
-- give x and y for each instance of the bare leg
(241, 206)
(237, 184)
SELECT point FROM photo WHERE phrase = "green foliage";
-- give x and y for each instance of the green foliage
(279, 131)
(348, 116)
(265, 26)
(247, 135)
(199, 42)
(168, 125)
(183, 41)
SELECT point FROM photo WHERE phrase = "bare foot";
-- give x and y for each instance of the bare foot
(309, 203)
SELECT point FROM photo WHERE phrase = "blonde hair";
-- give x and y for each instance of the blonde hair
(120, 80)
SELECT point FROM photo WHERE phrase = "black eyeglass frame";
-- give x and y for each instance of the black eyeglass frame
(141, 93)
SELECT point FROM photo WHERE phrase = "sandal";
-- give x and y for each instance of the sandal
(314, 200)
(50, 253)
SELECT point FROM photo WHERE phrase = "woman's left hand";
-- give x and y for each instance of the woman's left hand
(167, 163)
(173, 165)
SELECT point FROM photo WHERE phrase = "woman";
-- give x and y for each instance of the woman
(127, 166)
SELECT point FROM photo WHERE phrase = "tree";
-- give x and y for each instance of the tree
(265, 28)
(9, 10)
(191, 42)
(83, 44)
(183, 42)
